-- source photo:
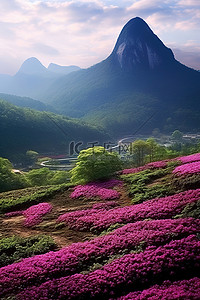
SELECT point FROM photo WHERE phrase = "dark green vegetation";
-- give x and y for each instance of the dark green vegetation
(24, 129)
(21, 199)
(150, 184)
(44, 176)
(8, 179)
(36, 177)
(15, 248)
(95, 164)
(191, 210)
(141, 152)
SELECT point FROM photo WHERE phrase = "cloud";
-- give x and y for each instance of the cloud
(189, 58)
(190, 3)
(84, 32)
(42, 48)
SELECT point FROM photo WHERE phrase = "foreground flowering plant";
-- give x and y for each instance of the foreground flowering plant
(101, 190)
(133, 270)
(189, 168)
(33, 214)
(69, 260)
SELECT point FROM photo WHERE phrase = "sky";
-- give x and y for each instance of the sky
(84, 32)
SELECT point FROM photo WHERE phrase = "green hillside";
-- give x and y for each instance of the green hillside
(26, 102)
(23, 129)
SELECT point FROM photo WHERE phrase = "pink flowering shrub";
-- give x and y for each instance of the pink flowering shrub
(101, 190)
(158, 208)
(152, 165)
(68, 260)
(183, 289)
(71, 217)
(186, 169)
(189, 158)
(35, 213)
(131, 270)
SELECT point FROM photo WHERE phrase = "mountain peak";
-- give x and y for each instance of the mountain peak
(32, 66)
(138, 46)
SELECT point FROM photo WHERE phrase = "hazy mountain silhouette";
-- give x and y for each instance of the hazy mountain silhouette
(32, 78)
(62, 69)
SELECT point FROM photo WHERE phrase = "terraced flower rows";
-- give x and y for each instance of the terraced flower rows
(159, 208)
(149, 250)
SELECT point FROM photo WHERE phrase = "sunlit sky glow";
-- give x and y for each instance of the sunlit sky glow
(84, 32)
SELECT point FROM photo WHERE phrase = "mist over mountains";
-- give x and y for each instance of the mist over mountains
(140, 78)
(32, 78)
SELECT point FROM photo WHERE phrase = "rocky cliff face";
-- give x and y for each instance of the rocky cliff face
(138, 46)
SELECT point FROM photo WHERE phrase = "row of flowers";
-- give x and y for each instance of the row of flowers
(70, 259)
(183, 289)
(189, 168)
(159, 208)
(34, 214)
(189, 158)
(70, 217)
(163, 163)
(101, 190)
(131, 270)
(152, 165)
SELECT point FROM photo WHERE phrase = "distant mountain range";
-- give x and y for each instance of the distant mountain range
(32, 78)
(140, 80)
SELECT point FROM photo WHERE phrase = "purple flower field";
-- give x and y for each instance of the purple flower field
(128, 251)
(130, 270)
(159, 208)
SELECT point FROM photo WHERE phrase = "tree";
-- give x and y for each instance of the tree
(139, 149)
(95, 164)
(153, 148)
(39, 176)
(8, 179)
(177, 136)
(31, 157)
